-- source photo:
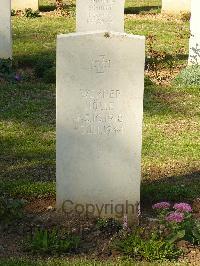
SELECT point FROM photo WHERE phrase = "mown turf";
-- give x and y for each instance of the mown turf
(27, 119)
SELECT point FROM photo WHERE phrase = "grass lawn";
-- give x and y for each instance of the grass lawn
(171, 130)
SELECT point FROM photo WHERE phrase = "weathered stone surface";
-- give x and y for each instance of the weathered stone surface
(23, 4)
(94, 15)
(100, 82)
(194, 45)
(176, 6)
(5, 30)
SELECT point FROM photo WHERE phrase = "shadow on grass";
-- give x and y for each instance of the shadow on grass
(142, 9)
(181, 57)
(32, 60)
(32, 105)
(173, 189)
(127, 10)
(48, 8)
(35, 59)
(17, 168)
(40, 108)
(183, 188)
(33, 156)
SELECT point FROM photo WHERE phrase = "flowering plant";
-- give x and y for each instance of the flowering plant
(177, 222)
(182, 207)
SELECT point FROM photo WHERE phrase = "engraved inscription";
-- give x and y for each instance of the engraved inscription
(99, 18)
(100, 94)
(100, 116)
(100, 11)
(101, 130)
(101, 64)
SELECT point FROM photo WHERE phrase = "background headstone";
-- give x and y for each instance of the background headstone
(23, 4)
(194, 46)
(100, 82)
(92, 15)
(176, 6)
(5, 29)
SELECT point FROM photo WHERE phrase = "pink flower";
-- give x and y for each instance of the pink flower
(177, 217)
(182, 207)
(161, 205)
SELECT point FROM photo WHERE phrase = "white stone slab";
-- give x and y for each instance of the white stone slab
(194, 44)
(176, 6)
(5, 29)
(92, 15)
(100, 82)
(23, 4)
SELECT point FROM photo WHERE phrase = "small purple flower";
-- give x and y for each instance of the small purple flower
(161, 205)
(177, 217)
(17, 77)
(182, 207)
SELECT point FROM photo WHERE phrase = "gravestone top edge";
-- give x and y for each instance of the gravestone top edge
(107, 34)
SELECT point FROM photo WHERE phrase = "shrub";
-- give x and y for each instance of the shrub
(190, 76)
(10, 209)
(168, 191)
(44, 241)
(29, 13)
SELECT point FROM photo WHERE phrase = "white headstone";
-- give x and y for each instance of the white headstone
(92, 15)
(23, 4)
(5, 29)
(176, 6)
(194, 46)
(100, 82)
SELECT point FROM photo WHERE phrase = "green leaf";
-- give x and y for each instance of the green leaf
(176, 236)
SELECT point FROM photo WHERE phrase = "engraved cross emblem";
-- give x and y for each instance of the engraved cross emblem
(101, 64)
